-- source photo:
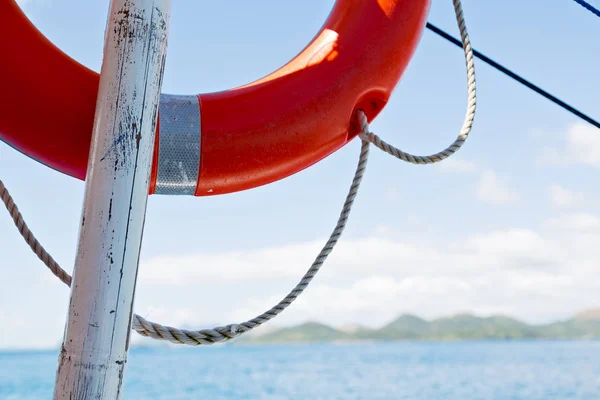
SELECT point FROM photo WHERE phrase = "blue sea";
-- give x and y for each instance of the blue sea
(527, 370)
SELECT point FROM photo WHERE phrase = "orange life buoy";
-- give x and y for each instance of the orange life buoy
(219, 142)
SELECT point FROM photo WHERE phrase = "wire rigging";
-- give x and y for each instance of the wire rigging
(516, 77)
(588, 7)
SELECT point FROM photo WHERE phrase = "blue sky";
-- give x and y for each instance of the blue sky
(510, 225)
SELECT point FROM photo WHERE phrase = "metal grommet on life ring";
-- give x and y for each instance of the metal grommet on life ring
(283, 123)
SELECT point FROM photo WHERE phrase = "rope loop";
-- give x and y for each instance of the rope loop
(469, 117)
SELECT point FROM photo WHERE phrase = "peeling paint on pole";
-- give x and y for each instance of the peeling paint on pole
(94, 351)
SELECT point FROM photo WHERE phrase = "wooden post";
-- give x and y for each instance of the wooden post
(94, 351)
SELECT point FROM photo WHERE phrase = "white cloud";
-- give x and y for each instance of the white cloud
(540, 273)
(492, 189)
(535, 274)
(581, 223)
(562, 197)
(235, 266)
(457, 165)
(510, 245)
(581, 146)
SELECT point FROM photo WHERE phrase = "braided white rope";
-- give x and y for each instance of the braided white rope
(218, 334)
(470, 114)
(36, 246)
(210, 336)
(224, 333)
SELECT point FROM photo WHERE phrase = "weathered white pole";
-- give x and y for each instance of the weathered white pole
(94, 351)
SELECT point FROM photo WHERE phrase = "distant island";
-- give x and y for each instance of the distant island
(585, 325)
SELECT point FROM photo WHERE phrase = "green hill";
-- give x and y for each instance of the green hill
(405, 327)
(307, 332)
(466, 326)
(585, 325)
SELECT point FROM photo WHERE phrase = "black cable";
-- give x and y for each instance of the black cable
(588, 7)
(516, 77)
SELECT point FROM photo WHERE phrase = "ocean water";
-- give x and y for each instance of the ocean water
(527, 370)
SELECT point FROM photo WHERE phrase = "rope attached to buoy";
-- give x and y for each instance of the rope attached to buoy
(225, 333)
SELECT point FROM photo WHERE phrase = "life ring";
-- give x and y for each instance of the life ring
(218, 142)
